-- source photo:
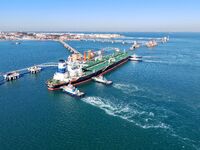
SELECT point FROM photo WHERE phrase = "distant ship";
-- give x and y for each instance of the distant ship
(76, 71)
(151, 43)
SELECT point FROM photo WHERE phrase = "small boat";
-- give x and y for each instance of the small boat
(135, 58)
(101, 79)
(71, 90)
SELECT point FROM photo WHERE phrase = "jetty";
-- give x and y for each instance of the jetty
(71, 49)
(128, 40)
(16, 74)
(135, 42)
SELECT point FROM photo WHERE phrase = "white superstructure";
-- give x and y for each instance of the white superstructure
(68, 71)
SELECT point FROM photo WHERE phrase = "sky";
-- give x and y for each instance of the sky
(100, 15)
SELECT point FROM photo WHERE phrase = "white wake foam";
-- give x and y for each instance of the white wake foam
(138, 115)
(127, 88)
(157, 61)
(149, 57)
(131, 113)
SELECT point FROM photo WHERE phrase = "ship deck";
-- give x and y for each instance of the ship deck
(94, 66)
(98, 65)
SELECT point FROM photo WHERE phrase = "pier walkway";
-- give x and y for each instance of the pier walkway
(71, 49)
(26, 71)
(140, 41)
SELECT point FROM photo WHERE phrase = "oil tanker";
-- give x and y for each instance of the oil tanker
(78, 71)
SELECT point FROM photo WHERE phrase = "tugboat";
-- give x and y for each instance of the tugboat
(71, 90)
(101, 79)
(134, 57)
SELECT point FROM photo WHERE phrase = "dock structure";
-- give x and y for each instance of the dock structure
(71, 49)
(34, 69)
(13, 75)
(141, 41)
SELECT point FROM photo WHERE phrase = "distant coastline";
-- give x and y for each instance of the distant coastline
(54, 36)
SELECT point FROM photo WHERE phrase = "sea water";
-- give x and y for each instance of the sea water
(154, 104)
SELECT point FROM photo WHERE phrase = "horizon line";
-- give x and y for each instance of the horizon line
(76, 31)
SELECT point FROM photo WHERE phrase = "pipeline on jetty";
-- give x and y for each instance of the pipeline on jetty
(71, 49)
(44, 65)
(128, 40)
(136, 42)
(15, 74)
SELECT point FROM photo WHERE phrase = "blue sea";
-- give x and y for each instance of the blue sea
(152, 105)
